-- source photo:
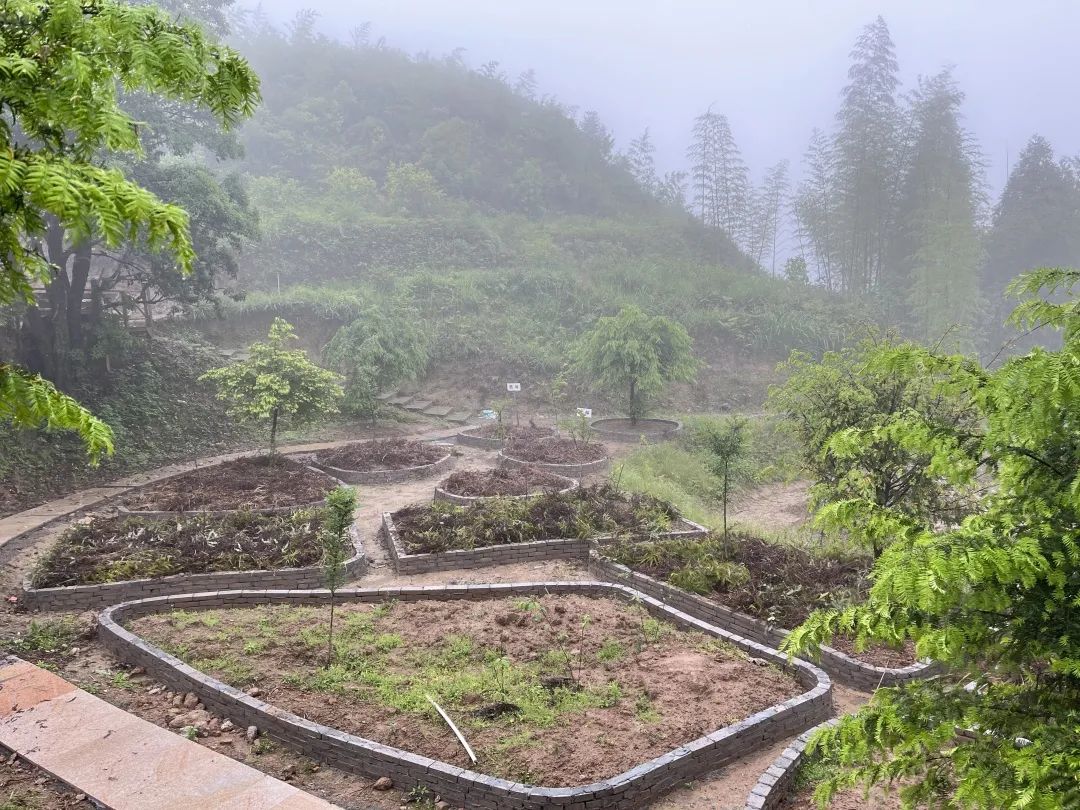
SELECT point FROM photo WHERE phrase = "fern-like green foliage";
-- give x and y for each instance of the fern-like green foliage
(62, 63)
(27, 400)
(995, 597)
(633, 355)
(276, 384)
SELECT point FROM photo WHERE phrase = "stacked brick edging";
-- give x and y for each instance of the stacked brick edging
(84, 597)
(630, 789)
(774, 785)
(847, 670)
(565, 470)
(506, 554)
(570, 484)
(673, 428)
(388, 476)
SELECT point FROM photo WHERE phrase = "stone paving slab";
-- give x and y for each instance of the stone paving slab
(439, 410)
(460, 417)
(399, 400)
(123, 761)
(419, 405)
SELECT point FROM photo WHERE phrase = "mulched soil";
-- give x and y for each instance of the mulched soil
(25, 787)
(493, 430)
(114, 549)
(382, 454)
(785, 585)
(502, 481)
(260, 482)
(877, 655)
(555, 451)
(672, 686)
(583, 513)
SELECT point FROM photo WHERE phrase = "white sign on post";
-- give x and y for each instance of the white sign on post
(513, 387)
(586, 412)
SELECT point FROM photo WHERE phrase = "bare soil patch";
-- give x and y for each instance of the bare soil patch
(778, 584)
(582, 513)
(25, 787)
(553, 690)
(259, 482)
(555, 451)
(119, 548)
(382, 454)
(851, 799)
(493, 430)
(501, 482)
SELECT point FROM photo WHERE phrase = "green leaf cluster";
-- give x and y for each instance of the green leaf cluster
(994, 597)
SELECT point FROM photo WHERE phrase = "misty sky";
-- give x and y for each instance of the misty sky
(775, 67)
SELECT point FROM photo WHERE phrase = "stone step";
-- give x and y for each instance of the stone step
(461, 417)
(386, 395)
(400, 400)
(438, 410)
(419, 405)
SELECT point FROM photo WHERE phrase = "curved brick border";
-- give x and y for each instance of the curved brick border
(673, 427)
(470, 439)
(775, 784)
(84, 597)
(565, 470)
(388, 476)
(466, 500)
(845, 669)
(629, 789)
(551, 549)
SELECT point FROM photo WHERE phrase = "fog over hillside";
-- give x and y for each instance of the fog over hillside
(774, 68)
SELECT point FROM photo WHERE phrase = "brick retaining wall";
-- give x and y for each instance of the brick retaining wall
(845, 669)
(565, 470)
(569, 485)
(775, 784)
(84, 597)
(508, 553)
(630, 789)
(388, 476)
(611, 435)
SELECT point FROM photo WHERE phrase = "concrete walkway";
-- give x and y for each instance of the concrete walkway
(14, 526)
(120, 760)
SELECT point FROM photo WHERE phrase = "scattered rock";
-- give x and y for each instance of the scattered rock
(177, 700)
(760, 662)
(383, 783)
(190, 701)
(138, 671)
(80, 797)
(252, 733)
(227, 726)
(442, 805)
(174, 711)
(254, 691)
(226, 741)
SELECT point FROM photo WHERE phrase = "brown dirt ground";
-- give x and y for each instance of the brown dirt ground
(25, 787)
(245, 483)
(383, 454)
(694, 687)
(88, 665)
(556, 451)
(501, 481)
(852, 799)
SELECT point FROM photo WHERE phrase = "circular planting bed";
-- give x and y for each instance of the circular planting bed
(624, 430)
(493, 436)
(385, 461)
(571, 694)
(112, 559)
(562, 456)
(468, 486)
(254, 484)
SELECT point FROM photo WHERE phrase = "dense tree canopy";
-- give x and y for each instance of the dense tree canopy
(994, 597)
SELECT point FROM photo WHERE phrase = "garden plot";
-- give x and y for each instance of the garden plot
(562, 456)
(261, 483)
(557, 690)
(776, 584)
(493, 435)
(384, 461)
(465, 486)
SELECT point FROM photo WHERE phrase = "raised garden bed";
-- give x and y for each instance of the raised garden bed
(441, 536)
(647, 430)
(384, 461)
(253, 483)
(562, 456)
(468, 486)
(504, 671)
(757, 589)
(493, 436)
(107, 560)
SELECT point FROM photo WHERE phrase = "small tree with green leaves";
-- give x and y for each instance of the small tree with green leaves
(379, 349)
(633, 355)
(727, 444)
(823, 401)
(277, 384)
(992, 598)
(336, 548)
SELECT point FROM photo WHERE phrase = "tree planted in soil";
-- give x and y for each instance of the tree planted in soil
(340, 507)
(633, 355)
(727, 444)
(277, 384)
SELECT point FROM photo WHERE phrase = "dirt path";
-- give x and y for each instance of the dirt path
(85, 663)
(774, 507)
